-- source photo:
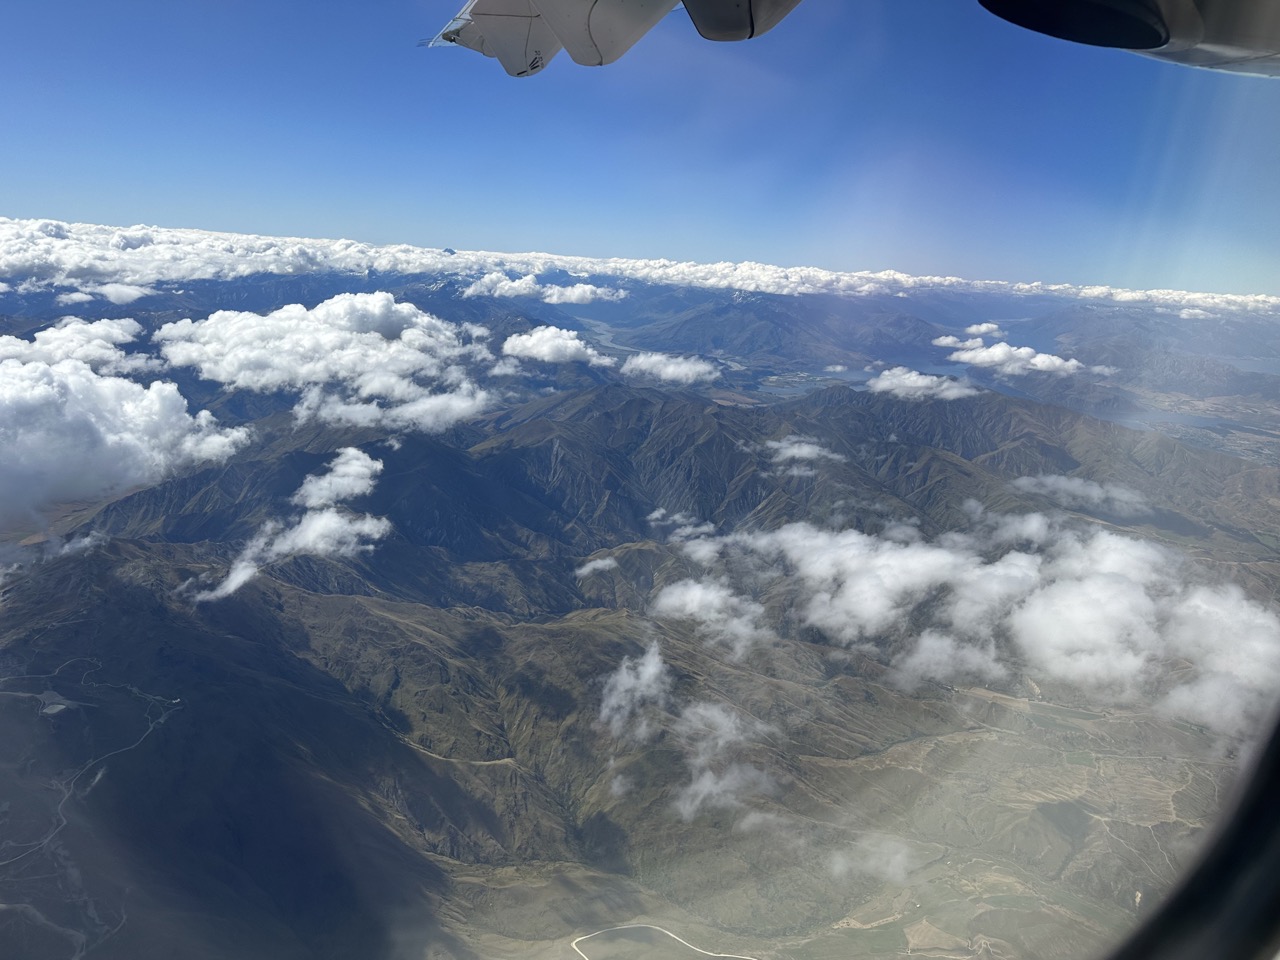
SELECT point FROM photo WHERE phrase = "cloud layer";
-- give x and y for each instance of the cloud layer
(51, 254)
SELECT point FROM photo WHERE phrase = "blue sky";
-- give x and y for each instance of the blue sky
(917, 135)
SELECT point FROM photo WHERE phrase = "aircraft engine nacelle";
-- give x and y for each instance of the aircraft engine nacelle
(1128, 24)
(736, 19)
(1241, 36)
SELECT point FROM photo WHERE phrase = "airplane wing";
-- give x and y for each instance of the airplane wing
(525, 34)
(1242, 36)
(513, 31)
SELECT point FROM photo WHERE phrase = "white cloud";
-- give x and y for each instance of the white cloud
(664, 366)
(1119, 618)
(327, 533)
(598, 565)
(322, 531)
(1013, 361)
(353, 473)
(555, 345)
(835, 368)
(506, 367)
(907, 384)
(71, 433)
(51, 253)
(498, 284)
(68, 299)
(121, 293)
(711, 734)
(1079, 492)
(688, 531)
(660, 517)
(793, 447)
(941, 657)
(726, 788)
(358, 358)
(633, 692)
(711, 730)
(878, 856)
(721, 615)
(97, 345)
(684, 526)
(987, 329)
(950, 341)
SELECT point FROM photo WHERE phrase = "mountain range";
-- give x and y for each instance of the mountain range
(799, 647)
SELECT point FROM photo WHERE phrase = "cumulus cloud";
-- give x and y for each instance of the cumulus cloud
(633, 693)
(98, 345)
(555, 345)
(357, 358)
(950, 341)
(69, 432)
(1079, 492)
(598, 565)
(498, 284)
(987, 329)
(664, 366)
(721, 615)
(121, 293)
(907, 384)
(1009, 360)
(352, 473)
(48, 253)
(322, 531)
(1118, 618)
